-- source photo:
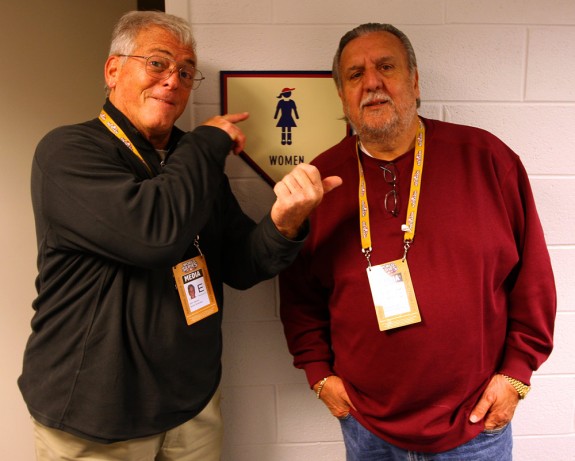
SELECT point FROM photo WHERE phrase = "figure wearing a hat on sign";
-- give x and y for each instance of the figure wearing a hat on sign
(286, 121)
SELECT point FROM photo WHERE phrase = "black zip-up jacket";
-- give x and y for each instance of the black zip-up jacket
(111, 356)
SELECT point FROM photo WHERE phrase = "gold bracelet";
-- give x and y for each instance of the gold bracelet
(320, 386)
(521, 388)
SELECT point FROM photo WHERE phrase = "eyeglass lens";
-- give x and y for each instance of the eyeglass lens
(161, 68)
(391, 200)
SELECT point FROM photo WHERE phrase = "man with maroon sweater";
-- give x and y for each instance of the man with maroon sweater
(420, 339)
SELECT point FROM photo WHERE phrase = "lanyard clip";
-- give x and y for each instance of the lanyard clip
(406, 246)
(367, 253)
(197, 244)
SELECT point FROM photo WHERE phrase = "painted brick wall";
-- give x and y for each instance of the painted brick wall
(506, 66)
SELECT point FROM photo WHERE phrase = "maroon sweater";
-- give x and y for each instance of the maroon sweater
(481, 274)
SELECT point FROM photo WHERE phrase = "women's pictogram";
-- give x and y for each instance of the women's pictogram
(286, 106)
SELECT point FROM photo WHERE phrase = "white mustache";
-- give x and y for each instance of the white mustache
(374, 97)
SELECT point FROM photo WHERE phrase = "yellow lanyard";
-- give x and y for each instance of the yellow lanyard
(414, 194)
(119, 133)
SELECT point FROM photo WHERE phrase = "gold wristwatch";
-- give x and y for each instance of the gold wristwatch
(521, 388)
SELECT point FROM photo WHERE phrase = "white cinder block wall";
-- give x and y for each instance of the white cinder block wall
(504, 65)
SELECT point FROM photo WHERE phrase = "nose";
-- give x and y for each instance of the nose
(173, 78)
(372, 79)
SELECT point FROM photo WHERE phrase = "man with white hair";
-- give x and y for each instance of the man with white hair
(119, 365)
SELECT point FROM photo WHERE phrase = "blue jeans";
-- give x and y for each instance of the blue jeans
(362, 445)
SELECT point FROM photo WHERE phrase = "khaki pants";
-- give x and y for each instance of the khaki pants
(197, 440)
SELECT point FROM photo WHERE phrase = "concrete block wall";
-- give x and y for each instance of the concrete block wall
(506, 66)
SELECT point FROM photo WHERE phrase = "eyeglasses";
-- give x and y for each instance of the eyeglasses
(391, 198)
(162, 68)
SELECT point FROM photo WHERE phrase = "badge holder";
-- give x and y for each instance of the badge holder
(195, 287)
(393, 295)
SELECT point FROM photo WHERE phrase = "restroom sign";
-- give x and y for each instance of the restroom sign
(294, 116)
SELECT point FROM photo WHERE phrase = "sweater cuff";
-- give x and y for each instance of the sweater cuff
(516, 366)
(299, 238)
(217, 141)
(316, 371)
(273, 232)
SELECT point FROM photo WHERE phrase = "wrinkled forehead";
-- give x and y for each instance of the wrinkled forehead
(163, 42)
(372, 46)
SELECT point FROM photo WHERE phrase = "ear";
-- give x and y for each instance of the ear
(416, 84)
(112, 70)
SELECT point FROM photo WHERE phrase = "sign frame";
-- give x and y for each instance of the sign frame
(325, 106)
